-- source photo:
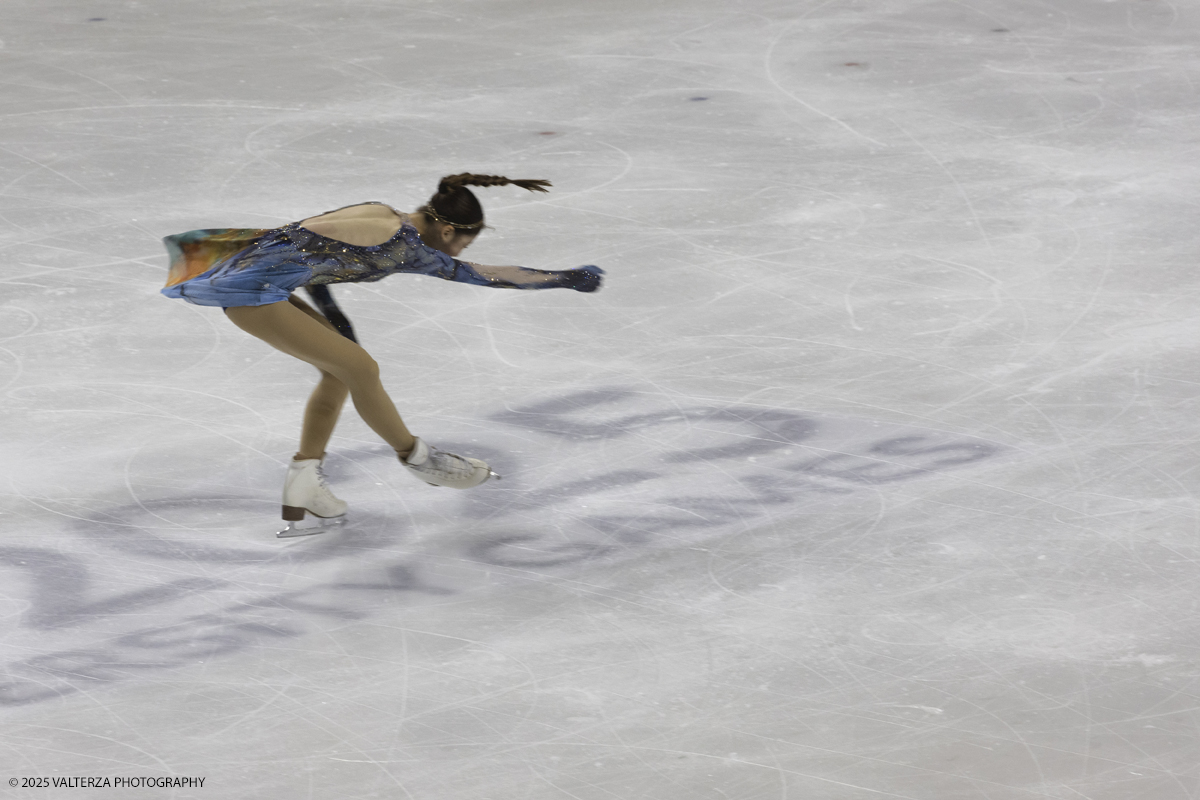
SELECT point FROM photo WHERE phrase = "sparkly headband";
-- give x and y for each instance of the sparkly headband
(428, 209)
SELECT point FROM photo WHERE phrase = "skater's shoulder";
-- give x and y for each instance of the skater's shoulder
(362, 225)
(372, 210)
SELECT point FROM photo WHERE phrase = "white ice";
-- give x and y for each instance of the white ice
(870, 473)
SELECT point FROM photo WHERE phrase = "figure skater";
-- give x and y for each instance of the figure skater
(252, 273)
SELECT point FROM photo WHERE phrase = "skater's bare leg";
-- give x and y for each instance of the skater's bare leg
(288, 328)
(321, 416)
(325, 404)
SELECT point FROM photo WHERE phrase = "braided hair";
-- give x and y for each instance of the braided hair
(456, 205)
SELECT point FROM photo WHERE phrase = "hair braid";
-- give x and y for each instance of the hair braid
(451, 182)
(454, 204)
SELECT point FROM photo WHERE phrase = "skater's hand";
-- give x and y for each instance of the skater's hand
(583, 279)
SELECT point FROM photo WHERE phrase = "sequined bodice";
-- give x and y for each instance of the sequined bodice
(333, 261)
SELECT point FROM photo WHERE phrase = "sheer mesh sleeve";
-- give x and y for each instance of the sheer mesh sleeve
(501, 277)
(440, 265)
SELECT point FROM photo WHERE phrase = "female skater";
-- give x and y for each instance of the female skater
(252, 273)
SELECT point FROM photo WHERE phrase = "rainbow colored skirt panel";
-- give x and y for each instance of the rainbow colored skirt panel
(234, 267)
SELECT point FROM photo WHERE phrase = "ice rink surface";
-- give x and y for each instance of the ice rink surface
(870, 473)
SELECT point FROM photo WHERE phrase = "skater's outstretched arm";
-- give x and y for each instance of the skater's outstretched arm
(583, 279)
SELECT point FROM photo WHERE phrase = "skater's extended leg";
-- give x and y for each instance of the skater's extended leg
(286, 327)
(325, 404)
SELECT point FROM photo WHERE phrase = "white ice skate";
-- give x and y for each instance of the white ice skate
(305, 490)
(439, 468)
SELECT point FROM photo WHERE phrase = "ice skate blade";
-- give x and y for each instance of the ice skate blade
(494, 475)
(296, 529)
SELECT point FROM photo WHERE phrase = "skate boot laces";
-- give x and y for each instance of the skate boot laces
(322, 485)
(440, 468)
(447, 465)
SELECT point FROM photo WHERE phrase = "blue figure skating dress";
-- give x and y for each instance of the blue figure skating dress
(256, 266)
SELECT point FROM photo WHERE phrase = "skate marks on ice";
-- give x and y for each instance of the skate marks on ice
(590, 477)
